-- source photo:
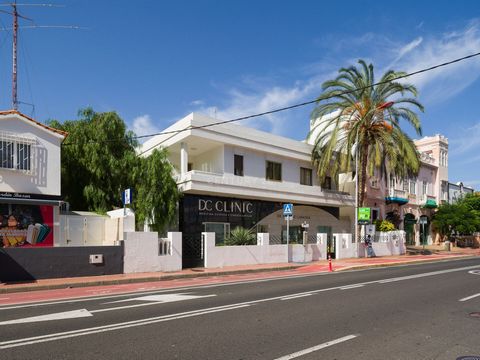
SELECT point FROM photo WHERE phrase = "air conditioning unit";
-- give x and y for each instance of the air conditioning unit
(96, 259)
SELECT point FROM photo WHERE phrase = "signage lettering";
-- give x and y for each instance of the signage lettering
(226, 207)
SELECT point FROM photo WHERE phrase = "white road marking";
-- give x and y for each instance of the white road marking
(316, 348)
(351, 286)
(118, 326)
(49, 317)
(133, 293)
(295, 296)
(474, 272)
(469, 297)
(165, 298)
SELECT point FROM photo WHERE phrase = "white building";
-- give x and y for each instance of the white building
(29, 181)
(233, 175)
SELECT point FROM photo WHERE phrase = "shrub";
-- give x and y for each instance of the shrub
(241, 236)
(384, 226)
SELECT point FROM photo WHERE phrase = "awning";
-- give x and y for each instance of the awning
(430, 204)
(396, 200)
(30, 199)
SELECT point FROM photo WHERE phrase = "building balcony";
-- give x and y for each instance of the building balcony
(429, 202)
(396, 196)
(248, 187)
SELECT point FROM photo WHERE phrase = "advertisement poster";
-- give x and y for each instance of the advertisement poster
(26, 225)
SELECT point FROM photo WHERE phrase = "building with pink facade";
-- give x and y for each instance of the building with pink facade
(410, 203)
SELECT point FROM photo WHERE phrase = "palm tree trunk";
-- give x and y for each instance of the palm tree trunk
(363, 178)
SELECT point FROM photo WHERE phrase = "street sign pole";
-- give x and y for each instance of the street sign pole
(288, 214)
(288, 235)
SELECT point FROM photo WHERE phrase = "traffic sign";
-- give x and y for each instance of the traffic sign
(287, 209)
(363, 216)
(127, 196)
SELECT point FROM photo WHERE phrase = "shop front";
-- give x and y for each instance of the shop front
(202, 213)
(28, 220)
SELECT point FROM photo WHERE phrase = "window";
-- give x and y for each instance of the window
(327, 183)
(305, 176)
(6, 154)
(238, 165)
(405, 185)
(16, 151)
(424, 187)
(375, 214)
(189, 167)
(392, 182)
(413, 187)
(273, 171)
(23, 156)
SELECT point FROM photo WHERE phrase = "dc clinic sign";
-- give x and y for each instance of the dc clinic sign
(127, 196)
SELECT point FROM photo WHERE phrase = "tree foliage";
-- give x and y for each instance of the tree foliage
(99, 161)
(354, 116)
(456, 219)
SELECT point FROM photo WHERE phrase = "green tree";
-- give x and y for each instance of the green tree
(157, 193)
(352, 108)
(471, 201)
(99, 161)
(456, 219)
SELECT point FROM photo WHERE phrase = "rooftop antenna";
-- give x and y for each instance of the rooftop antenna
(15, 28)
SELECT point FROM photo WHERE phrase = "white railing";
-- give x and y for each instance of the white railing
(397, 193)
(164, 247)
(426, 157)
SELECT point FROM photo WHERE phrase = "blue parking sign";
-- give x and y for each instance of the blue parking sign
(287, 209)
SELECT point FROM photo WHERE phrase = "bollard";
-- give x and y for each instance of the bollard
(330, 263)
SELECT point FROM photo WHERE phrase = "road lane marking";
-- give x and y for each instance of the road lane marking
(295, 297)
(163, 298)
(112, 327)
(318, 347)
(49, 317)
(89, 298)
(474, 272)
(348, 287)
(469, 297)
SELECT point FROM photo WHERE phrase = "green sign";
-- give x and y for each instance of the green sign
(363, 216)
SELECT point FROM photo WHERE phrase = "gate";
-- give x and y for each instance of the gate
(192, 251)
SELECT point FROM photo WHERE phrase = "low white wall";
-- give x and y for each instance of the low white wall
(386, 244)
(344, 248)
(262, 253)
(142, 253)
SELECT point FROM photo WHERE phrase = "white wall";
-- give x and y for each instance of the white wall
(262, 253)
(385, 244)
(46, 176)
(344, 247)
(209, 161)
(142, 253)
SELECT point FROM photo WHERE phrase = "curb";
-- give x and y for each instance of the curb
(140, 280)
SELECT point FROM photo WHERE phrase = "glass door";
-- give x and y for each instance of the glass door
(221, 230)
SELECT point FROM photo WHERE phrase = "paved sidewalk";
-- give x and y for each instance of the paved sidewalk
(281, 269)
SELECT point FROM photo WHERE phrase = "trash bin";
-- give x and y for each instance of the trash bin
(447, 245)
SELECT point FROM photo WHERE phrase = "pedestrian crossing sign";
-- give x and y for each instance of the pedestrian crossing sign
(287, 209)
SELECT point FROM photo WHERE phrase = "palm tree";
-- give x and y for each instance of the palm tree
(354, 116)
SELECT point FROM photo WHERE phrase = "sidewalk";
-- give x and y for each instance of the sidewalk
(269, 270)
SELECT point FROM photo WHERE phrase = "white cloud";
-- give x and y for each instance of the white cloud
(466, 141)
(448, 81)
(197, 102)
(143, 125)
(260, 94)
(247, 102)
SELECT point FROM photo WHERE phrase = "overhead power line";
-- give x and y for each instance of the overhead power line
(345, 92)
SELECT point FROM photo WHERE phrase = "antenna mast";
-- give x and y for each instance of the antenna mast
(15, 28)
(14, 56)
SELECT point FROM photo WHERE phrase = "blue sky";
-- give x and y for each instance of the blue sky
(156, 61)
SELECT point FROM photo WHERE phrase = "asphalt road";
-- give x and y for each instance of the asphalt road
(426, 311)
